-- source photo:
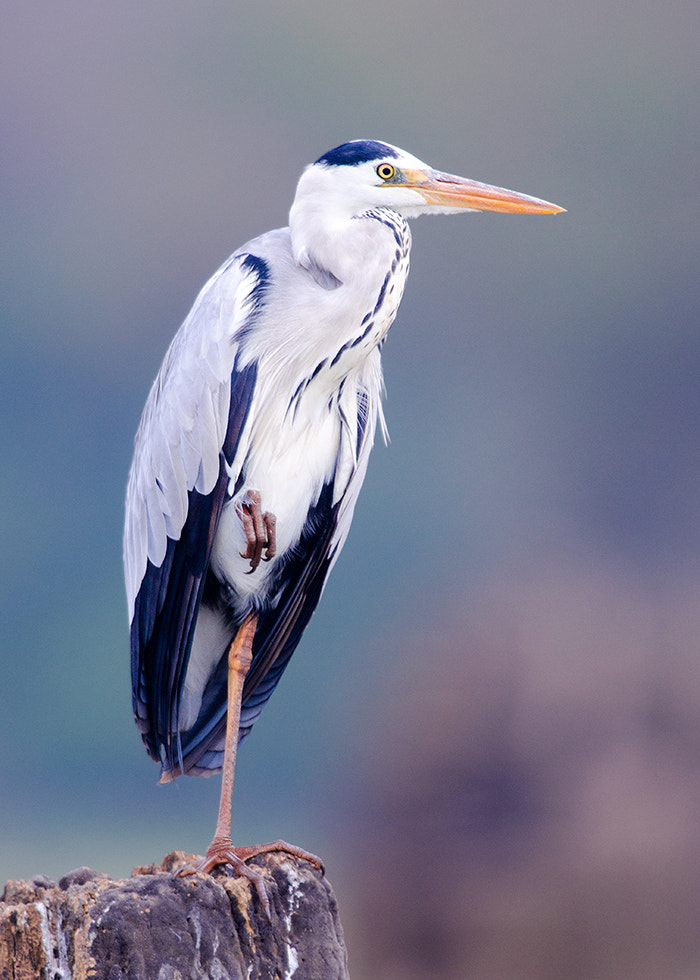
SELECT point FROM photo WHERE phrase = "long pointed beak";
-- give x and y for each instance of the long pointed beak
(458, 192)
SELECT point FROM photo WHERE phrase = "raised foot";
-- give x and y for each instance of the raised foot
(224, 852)
(259, 527)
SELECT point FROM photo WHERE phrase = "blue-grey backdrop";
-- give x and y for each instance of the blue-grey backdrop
(543, 397)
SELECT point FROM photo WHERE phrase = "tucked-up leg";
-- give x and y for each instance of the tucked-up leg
(221, 850)
(259, 527)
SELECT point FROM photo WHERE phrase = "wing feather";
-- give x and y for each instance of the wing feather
(196, 412)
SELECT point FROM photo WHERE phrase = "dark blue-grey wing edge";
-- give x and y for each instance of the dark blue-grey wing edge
(168, 599)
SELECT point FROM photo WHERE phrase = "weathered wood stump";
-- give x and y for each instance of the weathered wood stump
(158, 926)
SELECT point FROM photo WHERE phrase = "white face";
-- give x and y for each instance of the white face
(383, 182)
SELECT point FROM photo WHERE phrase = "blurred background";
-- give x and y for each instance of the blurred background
(491, 730)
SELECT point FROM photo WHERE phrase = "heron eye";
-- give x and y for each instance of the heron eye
(386, 171)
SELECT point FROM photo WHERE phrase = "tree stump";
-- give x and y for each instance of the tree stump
(158, 926)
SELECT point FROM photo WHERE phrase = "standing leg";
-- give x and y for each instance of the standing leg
(221, 850)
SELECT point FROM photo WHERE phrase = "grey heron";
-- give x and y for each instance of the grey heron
(252, 449)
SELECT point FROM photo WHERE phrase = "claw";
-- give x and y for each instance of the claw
(259, 527)
(223, 852)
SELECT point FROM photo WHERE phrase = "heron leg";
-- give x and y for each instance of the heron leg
(259, 527)
(221, 850)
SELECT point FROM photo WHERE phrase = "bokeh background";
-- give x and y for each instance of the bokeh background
(491, 730)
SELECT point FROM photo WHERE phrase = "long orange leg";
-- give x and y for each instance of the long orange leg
(221, 850)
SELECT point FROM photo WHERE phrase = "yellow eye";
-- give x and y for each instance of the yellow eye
(386, 171)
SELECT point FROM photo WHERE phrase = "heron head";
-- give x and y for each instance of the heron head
(366, 174)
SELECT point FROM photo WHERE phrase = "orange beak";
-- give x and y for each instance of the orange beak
(457, 192)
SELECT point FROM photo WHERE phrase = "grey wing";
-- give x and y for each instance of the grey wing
(190, 435)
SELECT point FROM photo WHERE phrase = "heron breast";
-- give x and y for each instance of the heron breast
(289, 465)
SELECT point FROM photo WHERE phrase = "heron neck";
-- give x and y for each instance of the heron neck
(343, 246)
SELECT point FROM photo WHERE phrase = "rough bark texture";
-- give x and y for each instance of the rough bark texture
(158, 926)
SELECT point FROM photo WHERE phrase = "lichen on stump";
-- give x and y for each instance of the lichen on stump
(159, 925)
